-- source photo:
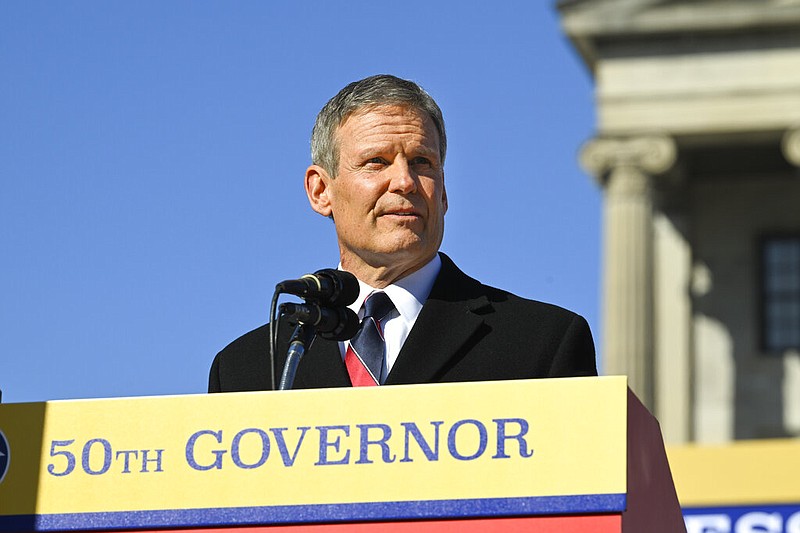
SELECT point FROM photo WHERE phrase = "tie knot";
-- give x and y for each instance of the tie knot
(377, 305)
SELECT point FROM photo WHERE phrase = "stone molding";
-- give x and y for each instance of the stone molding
(791, 146)
(653, 154)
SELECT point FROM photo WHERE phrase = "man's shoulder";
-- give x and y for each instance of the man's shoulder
(515, 337)
(243, 364)
(454, 283)
(248, 342)
(509, 310)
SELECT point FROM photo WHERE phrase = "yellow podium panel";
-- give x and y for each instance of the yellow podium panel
(739, 486)
(378, 453)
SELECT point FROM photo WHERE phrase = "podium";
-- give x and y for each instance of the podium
(549, 455)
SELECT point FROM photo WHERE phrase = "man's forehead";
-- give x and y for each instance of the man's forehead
(388, 110)
(367, 118)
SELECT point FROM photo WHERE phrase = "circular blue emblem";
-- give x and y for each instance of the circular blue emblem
(5, 455)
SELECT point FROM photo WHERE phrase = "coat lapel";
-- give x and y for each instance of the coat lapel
(449, 319)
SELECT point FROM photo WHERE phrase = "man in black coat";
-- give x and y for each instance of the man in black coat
(378, 150)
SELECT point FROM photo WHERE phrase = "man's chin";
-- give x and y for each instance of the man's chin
(409, 256)
(405, 244)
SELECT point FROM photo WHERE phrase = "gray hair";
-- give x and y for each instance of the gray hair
(374, 91)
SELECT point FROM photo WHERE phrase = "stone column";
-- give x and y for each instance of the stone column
(791, 146)
(791, 359)
(626, 168)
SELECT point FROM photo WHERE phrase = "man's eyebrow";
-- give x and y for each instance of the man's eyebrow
(382, 148)
(426, 150)
(373, 150)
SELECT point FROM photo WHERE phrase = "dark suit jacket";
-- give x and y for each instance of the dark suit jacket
(466, 331)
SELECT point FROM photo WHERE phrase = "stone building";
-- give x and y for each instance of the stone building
(697, 150)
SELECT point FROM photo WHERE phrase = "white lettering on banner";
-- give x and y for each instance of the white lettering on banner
(793, 523)
(710, 523)
(760, 523)
(750, 522)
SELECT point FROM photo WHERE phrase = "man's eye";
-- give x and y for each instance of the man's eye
(376, 161)
(421, 161)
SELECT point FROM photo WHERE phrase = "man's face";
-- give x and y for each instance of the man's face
(388, 199)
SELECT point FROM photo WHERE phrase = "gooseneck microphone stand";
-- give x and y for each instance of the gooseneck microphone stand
(302, 337)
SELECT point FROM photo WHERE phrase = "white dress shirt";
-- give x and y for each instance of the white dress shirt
(408, 295)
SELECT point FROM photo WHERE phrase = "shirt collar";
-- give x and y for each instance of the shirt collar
(409, 293)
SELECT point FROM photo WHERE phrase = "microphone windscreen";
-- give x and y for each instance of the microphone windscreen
(346, 284)
(348, 326)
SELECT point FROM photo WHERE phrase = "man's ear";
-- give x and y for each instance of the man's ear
(317, 189)
(444, 197)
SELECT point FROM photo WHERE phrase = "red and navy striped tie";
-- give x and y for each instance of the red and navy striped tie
(366, 354)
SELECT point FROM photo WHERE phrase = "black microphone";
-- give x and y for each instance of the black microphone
(338, 324)
(328, 287)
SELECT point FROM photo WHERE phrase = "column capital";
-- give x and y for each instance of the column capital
(790, 146)
(653, 154)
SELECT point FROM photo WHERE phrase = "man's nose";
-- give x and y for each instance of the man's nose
(402, 180)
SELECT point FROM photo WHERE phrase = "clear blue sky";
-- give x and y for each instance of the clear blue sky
(152, 156)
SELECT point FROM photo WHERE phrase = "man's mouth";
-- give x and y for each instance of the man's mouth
(402, 212)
